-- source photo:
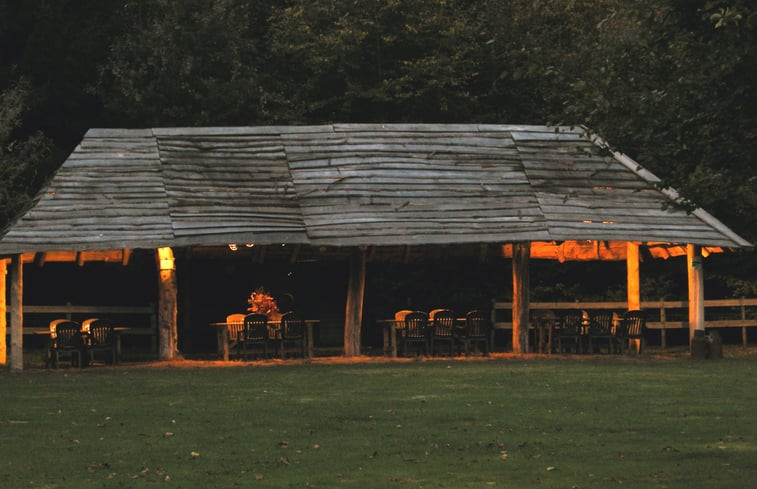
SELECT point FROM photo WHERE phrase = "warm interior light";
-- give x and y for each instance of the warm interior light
(233, 246)
(249, 245)
(165, 259)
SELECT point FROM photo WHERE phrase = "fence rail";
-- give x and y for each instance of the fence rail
(663, 315)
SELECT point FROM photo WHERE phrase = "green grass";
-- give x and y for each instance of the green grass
(552, 423)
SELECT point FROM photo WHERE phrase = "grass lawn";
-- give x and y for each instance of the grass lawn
(648, 422)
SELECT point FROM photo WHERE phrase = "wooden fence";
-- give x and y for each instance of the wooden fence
(661, 315)
(141, 320)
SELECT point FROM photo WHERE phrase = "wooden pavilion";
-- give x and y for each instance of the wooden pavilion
(358, 190)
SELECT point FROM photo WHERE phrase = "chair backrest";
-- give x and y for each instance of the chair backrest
(476, 324)
(399, 317)
(100, 332)
(601, 321)
(292, 326)
(54, 323)
(571, 321)
(634, 323)
(68, 334)
(416, 325)
(255, 327)
(235, 325)
(433, 312)
(443, 322)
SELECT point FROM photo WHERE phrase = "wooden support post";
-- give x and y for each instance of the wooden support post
(3, 314)
(125, 256)
(521, 255)
(17, 313)
(353, 314)
(167, 305)
(295, 254)
(483, 252)
(39, 258)
(696, 289)
(633, 280)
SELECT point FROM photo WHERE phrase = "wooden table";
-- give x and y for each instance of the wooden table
(390, 327)
(222, 333)
(390, 335)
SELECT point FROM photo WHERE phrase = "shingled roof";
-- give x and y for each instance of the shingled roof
(351, 184)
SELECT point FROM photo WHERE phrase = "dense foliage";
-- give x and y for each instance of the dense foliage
(669, 82)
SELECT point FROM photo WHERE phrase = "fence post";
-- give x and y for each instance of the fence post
(663, 343)
(743, 318)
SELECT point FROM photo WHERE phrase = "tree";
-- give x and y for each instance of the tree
(20, 158)
(376, 61)
(672, 84)
(185, 63)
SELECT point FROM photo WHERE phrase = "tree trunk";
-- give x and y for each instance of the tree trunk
(353, 316)
(521, 255)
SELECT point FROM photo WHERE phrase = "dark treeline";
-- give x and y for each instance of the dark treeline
(670, 82)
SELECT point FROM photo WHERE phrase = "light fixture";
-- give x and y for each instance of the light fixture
(249, 245)
(165, 259)
(233, 246)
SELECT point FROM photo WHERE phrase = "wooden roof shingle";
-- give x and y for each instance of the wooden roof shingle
(351, 184)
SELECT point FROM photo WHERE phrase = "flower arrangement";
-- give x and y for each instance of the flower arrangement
(261, 302)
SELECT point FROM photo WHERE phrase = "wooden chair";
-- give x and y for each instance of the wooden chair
(292, 333)
(254, 333)
(631, 330)
(441, 330)
(600, 331)
(475, 332)
(569, 332)
(415, 332)
(235, 327)
(67, 342)
(100, 337)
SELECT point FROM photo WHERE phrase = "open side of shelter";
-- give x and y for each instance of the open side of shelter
(360, 191)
